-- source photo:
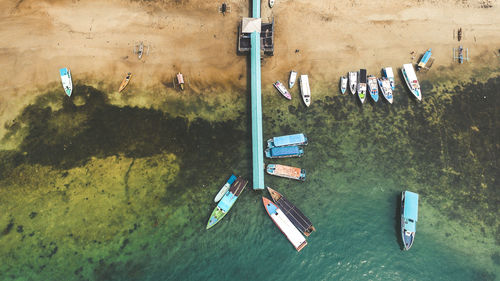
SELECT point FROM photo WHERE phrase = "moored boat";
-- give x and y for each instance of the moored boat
(343, 84)
(288, 140)
(284, 152)
(141, 50)
(224, 188)
(227, 201)
(411, 80)
(125, 82)
(387, 72)
(425, 58)
(362, 85)
(386, 89)
(271, 3)
(409, 217)
(305, 90)
(180, 80)
(353, 81)
(298, 219)
(284, 224)
(282, 90)
(292, 79)
(67, 83)
(373, 87)
(286, 172)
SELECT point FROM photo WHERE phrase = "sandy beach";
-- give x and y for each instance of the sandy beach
(96, 40)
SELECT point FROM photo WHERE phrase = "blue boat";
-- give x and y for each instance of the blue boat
(409, 217)
(227, 201)
(288, 140)
(425, 59)
(284, 152)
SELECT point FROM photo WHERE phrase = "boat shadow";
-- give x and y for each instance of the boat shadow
(397, 221)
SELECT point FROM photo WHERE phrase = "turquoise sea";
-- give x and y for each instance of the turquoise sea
(93, 190)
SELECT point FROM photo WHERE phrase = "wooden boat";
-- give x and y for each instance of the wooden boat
(362, 85)
(282, 90)
(293, 77)
(67, 83)
(386, 89)
(409, 217)
(284, 224)
(353, 82)
(299, 220)
(373, 87)
(180, 80)
(286, 172)
(271, 3)
(125, 82)
(305, 90)
(224, 188)
(227, 201)
(411, 80)
(343, 84)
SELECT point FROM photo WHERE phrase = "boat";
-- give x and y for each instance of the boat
(286, 172)
(141, 50)
(281, 88)
(425, 58)
(227, 202)
(180, 80)
(353, 82)
(343, 84)
(66, 80)
(386, 89)
(298, 219)
(387, 73)
(293, 77)
(271, 3)
(284, 224)
(373, 87)
(224, 188)
(125, 82)
(409, 217)
(288, 140)
(362, 85)
(305, 90)
(284, 152)
(411, 80)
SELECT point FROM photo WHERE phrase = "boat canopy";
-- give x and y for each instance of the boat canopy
(410, 72)
(285, 150)
(411, 206)
(388, 72)
(290, 140)
(362, 76)
(425, 58)
(227, 201)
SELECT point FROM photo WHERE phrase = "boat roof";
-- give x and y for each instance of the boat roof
(285, 150)
(411, 205)
(362, 76)
(426, 56)
(388, 72)
(299, 220)
(289, 139)
(63, 71)
(410, 72)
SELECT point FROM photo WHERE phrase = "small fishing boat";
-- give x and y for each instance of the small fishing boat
(362, 85)
(343, 84)
(271, 3)
(284, 152)
(141, 50)
(409, 217)
(353, 81)
(411, 80)
(286, 172)
(281, 88)
(284, 224)
(293, 77)
(373, 87)
(227, 201)
(387, 73)
(299, 220)
(224, 188)
(67, 83)
(125, 82)
(386, 89)
(425, 58)
(288, 140)
(305, 90)
(180, 80)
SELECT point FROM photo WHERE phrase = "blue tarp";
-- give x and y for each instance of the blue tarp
(285, 150)
(227, 201)
(290, 140)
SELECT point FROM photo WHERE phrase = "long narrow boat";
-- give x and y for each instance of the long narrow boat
(373, 86)
(299, 220)
(387, 72)
(409, 217)
(425, 58)
(386, 89)
(224, 188)
(353, 81)
(343, 84)
(284, 152)
(411, 80)
(227, 201)
(284, 224)
(286, 172)
(293, 78)
(67, 83)
(180, 80)
(288, 140)
(362, 85)
(282, 90)
(305, 90)
(125, 82)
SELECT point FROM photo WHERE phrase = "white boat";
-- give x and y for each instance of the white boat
(141, 50)
(293, 77)
(281, 88)
(373, 87)
(389, 75)
(411, 80)
(66, 80)
(362, 85)
(386, 89)
(305, 90)
(271, 3)
(224, 188)
(343, 84)
(353, 81)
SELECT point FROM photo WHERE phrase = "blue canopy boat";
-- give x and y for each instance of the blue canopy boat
(288, 140)
(409, 217)
(284, 151)
(425, 59)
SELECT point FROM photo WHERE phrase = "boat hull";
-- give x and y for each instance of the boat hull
(282, 90)
(227, 202)
(305, 89)
(409, 217)
(343, 84)
(373, 87)
(353, 82)
(276, 152)
(385, 89)
(414, 90)
(66, 81)
(292, 79)
(224, 188)
(125, 82)
(286, 172)
(362, 93)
